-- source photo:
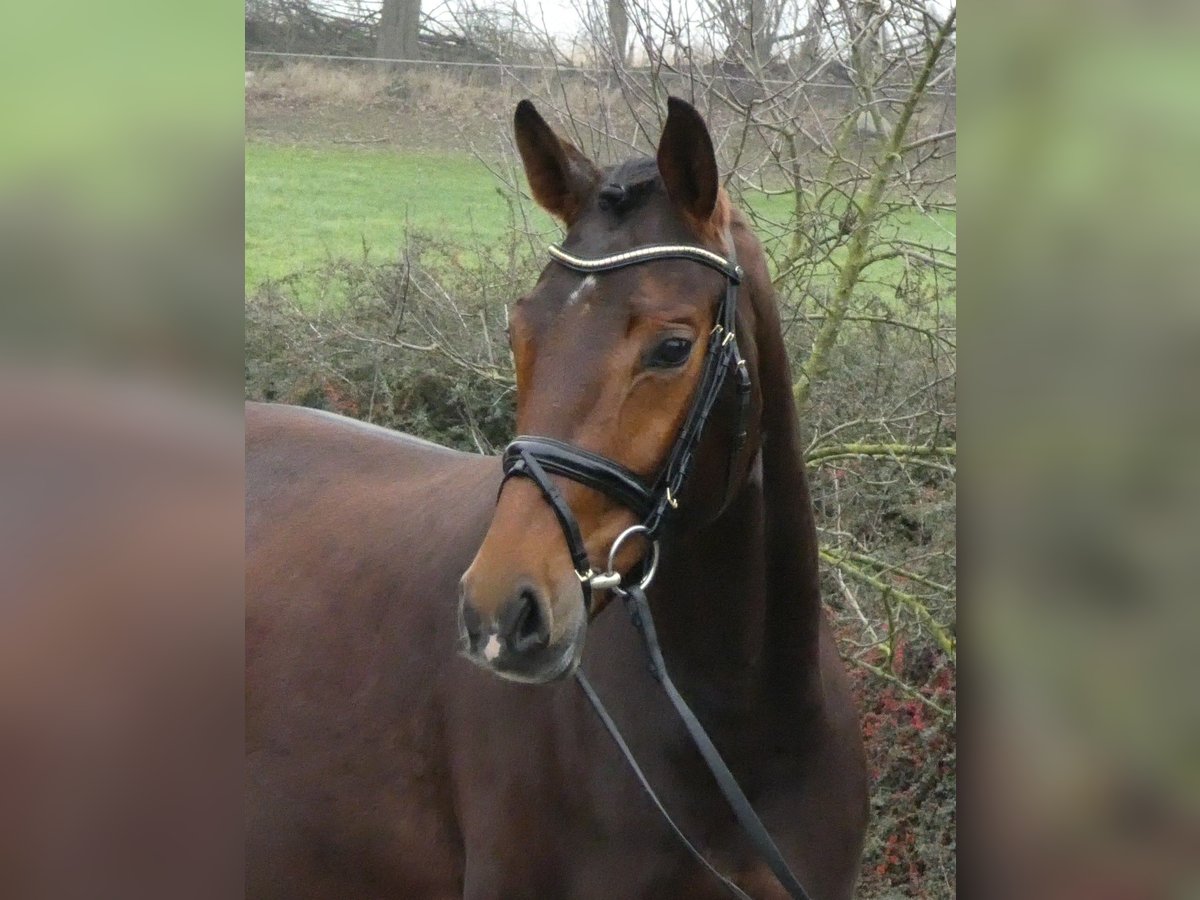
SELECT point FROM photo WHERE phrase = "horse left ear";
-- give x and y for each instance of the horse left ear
(687, 163)
(560, 176)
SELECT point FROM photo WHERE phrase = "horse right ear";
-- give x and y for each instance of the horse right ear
(559, 175)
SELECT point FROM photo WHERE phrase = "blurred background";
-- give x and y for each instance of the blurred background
(1080, 529)
(120, 451)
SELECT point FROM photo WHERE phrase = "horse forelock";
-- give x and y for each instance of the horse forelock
(634, 184)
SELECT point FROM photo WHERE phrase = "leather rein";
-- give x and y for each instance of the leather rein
(536, 458)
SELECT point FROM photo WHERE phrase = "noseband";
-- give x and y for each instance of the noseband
(538, 457)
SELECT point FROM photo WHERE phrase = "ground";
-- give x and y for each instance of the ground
(337, 180)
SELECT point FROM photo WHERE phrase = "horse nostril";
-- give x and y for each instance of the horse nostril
(528, 630)
(472, 624)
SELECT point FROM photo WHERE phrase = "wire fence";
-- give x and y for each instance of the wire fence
(562, 69)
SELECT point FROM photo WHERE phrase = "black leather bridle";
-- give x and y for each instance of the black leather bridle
(536, 458)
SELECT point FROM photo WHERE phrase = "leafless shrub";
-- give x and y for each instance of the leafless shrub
(418, 345)
(838, 139)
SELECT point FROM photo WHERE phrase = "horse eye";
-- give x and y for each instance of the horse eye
(670, 353)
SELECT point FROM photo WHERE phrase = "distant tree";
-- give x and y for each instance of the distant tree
(399, 27)
(749, 28)
(810, 36)
(618, 30)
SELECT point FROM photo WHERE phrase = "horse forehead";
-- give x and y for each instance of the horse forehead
(567, 296)
(601, 232)
(585, 306)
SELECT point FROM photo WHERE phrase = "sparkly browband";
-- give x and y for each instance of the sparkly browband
(646, 254)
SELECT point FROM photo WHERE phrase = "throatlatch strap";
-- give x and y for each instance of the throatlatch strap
(639, 613)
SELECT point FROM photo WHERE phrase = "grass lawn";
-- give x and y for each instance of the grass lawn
(307, 205)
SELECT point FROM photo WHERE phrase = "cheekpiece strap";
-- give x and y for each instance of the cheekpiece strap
(524, 463)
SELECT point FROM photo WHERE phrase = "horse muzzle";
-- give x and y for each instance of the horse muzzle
(520, 639)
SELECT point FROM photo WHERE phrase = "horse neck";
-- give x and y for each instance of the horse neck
(738, 604)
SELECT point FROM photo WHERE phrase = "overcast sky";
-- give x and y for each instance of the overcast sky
(560, 17)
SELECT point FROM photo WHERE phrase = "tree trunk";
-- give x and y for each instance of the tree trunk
(751, 26)
(399, 25)
(618, 30)
(810, 43)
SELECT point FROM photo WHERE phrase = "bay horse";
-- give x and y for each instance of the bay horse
(412, 612)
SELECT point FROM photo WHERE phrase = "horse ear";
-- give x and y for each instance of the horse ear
(559, 175)
(687, 163)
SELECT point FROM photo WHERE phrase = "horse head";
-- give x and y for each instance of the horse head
(611, 361)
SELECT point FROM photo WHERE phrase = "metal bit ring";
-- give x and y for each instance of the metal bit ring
(647, 575)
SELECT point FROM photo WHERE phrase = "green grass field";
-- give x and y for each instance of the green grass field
(309, 205)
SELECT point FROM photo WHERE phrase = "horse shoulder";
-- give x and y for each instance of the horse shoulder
(356, 538)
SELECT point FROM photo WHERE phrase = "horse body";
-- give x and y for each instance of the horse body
(385, 761)
(383, 764)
